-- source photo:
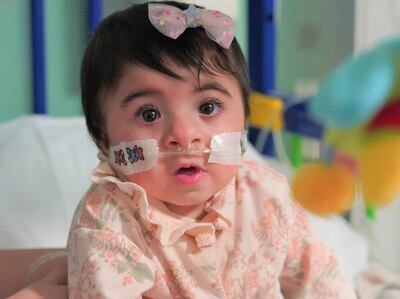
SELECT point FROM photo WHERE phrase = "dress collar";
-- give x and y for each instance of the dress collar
(167, 226)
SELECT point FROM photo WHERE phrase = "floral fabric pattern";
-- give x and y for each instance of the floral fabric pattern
(254, 242)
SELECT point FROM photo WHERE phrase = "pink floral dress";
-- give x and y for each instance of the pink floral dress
(254, 242)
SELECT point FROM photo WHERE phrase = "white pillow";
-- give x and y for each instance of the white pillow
(44, 170)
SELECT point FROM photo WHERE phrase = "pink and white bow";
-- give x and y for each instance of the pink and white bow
(172, 22)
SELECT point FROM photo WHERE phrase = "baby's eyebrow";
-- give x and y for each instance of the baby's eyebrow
(212, 86)
(137, 94)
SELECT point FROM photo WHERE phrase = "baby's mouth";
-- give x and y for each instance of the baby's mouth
(189, 174)
(187, 170)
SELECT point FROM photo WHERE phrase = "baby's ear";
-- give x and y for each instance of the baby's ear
(103, 144)
(247, 123)
(105, 150)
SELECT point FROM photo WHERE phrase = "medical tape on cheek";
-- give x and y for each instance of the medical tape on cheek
(227, 148)
(134, 157)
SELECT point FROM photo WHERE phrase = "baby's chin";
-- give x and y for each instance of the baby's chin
(188, 199)
(193, 211)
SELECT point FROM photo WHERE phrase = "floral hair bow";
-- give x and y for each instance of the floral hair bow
(172, 22)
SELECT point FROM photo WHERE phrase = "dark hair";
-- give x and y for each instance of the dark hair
(128, 38)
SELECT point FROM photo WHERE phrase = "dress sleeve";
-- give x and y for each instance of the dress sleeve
(310, 269)
(106, 264)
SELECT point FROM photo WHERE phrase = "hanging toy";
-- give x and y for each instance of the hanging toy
(359, 106)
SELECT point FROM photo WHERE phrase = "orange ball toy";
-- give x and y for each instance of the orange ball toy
(324, 189)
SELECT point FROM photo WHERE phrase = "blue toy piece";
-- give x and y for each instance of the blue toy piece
(298, 120)
(357, 88)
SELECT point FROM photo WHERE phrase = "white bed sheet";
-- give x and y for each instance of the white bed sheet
(44, 170)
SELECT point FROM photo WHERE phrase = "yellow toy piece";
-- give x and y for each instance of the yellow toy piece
(380, 169)
(348, 142)
(266, 112)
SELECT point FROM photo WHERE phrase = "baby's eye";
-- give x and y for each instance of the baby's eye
(210, 108)
(148, 114)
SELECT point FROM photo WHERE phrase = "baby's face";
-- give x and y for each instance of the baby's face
(178, 114)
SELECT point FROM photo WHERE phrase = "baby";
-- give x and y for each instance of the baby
(173, 211)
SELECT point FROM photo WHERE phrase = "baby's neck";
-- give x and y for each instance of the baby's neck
(195, 212)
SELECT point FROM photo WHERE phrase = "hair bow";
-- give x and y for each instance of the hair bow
(172, 22)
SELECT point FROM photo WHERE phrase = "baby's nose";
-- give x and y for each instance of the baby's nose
(183, 135)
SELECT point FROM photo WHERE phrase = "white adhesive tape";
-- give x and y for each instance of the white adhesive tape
(226, 149)
(135, 156)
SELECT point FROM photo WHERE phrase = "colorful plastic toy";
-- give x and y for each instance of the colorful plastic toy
(359, 105)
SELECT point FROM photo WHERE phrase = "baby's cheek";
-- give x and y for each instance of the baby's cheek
(155, 177)
(142, 178)
(223, 173)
